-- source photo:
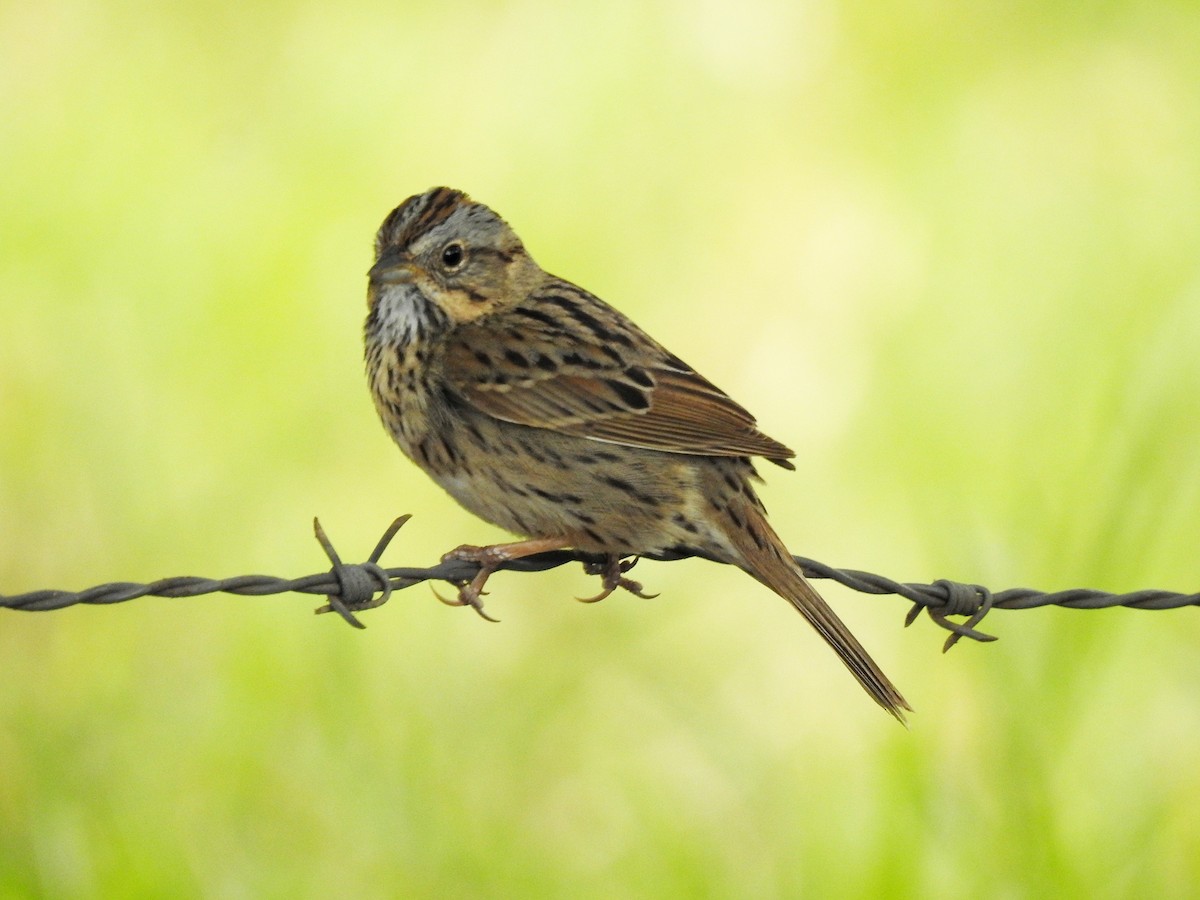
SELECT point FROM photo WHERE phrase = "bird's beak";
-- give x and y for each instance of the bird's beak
(393, 267)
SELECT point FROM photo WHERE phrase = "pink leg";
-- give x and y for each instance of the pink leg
(489, 559)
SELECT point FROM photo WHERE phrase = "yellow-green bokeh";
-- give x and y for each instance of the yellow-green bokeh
(949, 252)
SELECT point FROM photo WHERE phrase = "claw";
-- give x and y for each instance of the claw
(468, 595)
(489, 559)
(635, 588)
(441, 599)
(612, 571)
(600, 596)
(471, 594)
(476, 605)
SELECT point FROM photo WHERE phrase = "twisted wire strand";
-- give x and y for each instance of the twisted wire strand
(351, 588)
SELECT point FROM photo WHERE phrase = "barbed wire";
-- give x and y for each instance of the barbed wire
(351, 588)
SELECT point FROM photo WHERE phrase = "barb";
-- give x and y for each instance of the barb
(353, 588)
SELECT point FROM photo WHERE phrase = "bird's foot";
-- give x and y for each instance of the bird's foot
(612, 570)
(489, 559)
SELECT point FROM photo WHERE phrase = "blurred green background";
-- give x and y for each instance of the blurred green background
(949, 252)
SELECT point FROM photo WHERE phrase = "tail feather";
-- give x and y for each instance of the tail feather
(765, 557)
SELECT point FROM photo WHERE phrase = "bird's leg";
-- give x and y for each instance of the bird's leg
(489, 559)
(613, 570)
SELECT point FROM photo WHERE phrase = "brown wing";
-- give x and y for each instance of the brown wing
(566, 361)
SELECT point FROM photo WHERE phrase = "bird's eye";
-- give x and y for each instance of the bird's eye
(452, 255)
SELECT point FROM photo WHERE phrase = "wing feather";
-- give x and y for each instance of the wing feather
(567, 361)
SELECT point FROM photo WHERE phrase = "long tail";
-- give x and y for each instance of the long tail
(766, 557)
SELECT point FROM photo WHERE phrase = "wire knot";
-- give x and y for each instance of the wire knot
(357, 583)
(953, 598)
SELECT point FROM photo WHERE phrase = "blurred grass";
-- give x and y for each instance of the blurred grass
(947, 252)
